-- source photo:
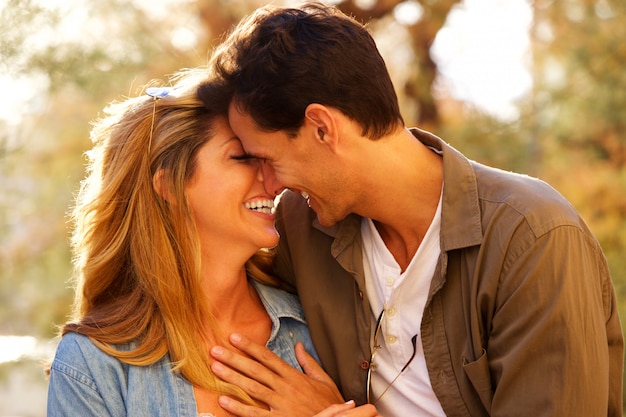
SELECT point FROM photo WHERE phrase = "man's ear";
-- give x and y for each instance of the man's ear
(161, 187)
(321, 120)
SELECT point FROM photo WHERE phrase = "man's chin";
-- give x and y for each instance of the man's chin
(326, 221)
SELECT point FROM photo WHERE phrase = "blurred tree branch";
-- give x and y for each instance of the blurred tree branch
(424, 71)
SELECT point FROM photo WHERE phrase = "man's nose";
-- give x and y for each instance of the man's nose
(270, 182)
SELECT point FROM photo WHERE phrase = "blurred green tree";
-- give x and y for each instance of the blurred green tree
(572, 127)
(77, 57)
(578, 114)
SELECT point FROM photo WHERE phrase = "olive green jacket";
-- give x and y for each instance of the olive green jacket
(521, 317)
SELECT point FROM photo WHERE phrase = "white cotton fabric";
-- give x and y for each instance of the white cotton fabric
(404, 295)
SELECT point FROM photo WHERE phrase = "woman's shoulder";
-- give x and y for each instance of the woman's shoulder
(73, 345)
(78, 354)
(81, 372)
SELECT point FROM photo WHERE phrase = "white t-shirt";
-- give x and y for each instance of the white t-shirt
(403, 295)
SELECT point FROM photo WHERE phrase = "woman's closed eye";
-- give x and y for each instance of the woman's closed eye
(244, 157)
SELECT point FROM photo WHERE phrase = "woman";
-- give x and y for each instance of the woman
(168, 230)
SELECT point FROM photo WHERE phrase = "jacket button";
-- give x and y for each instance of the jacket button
(364, 364)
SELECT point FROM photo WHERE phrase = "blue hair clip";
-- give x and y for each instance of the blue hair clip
(158, 92)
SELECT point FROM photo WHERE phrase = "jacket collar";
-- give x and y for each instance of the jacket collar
(279, 303)
(460, 212)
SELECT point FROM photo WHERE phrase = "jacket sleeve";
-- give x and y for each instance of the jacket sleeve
(73, 389)
(287, 211)
(555, 346)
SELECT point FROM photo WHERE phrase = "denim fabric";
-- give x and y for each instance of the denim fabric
(84, 381)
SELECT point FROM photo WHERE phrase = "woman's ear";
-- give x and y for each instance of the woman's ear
(161, 187)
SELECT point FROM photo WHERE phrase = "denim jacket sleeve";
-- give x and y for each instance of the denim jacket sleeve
(73, 389)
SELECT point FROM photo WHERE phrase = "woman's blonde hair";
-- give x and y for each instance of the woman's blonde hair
(136, 257)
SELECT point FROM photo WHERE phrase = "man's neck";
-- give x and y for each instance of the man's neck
(408, 198)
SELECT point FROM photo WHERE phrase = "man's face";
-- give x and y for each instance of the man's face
(278, 153)
(299, 163)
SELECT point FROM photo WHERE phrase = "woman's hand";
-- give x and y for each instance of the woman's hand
(268, 379)
(349, 410)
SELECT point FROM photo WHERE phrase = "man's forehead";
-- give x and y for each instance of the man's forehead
(261, 149)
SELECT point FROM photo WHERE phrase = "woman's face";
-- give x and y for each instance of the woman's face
(226, 195)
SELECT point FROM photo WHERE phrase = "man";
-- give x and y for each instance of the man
(432, 285)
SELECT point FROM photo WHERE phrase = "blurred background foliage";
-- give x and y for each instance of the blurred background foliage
(67, 60)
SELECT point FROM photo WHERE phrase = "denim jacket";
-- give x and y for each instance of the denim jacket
(84, 381)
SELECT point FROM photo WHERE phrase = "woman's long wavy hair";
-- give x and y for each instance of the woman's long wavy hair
(136, 257)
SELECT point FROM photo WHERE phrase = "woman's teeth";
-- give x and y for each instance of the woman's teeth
(264, 206)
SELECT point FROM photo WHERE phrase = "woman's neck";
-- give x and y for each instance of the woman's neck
(232, 300)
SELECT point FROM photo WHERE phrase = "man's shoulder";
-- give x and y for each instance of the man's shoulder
(541, 205)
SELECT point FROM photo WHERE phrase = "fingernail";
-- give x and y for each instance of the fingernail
(235, 337)
(217, 350)
(349, 402)
(217, 367)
